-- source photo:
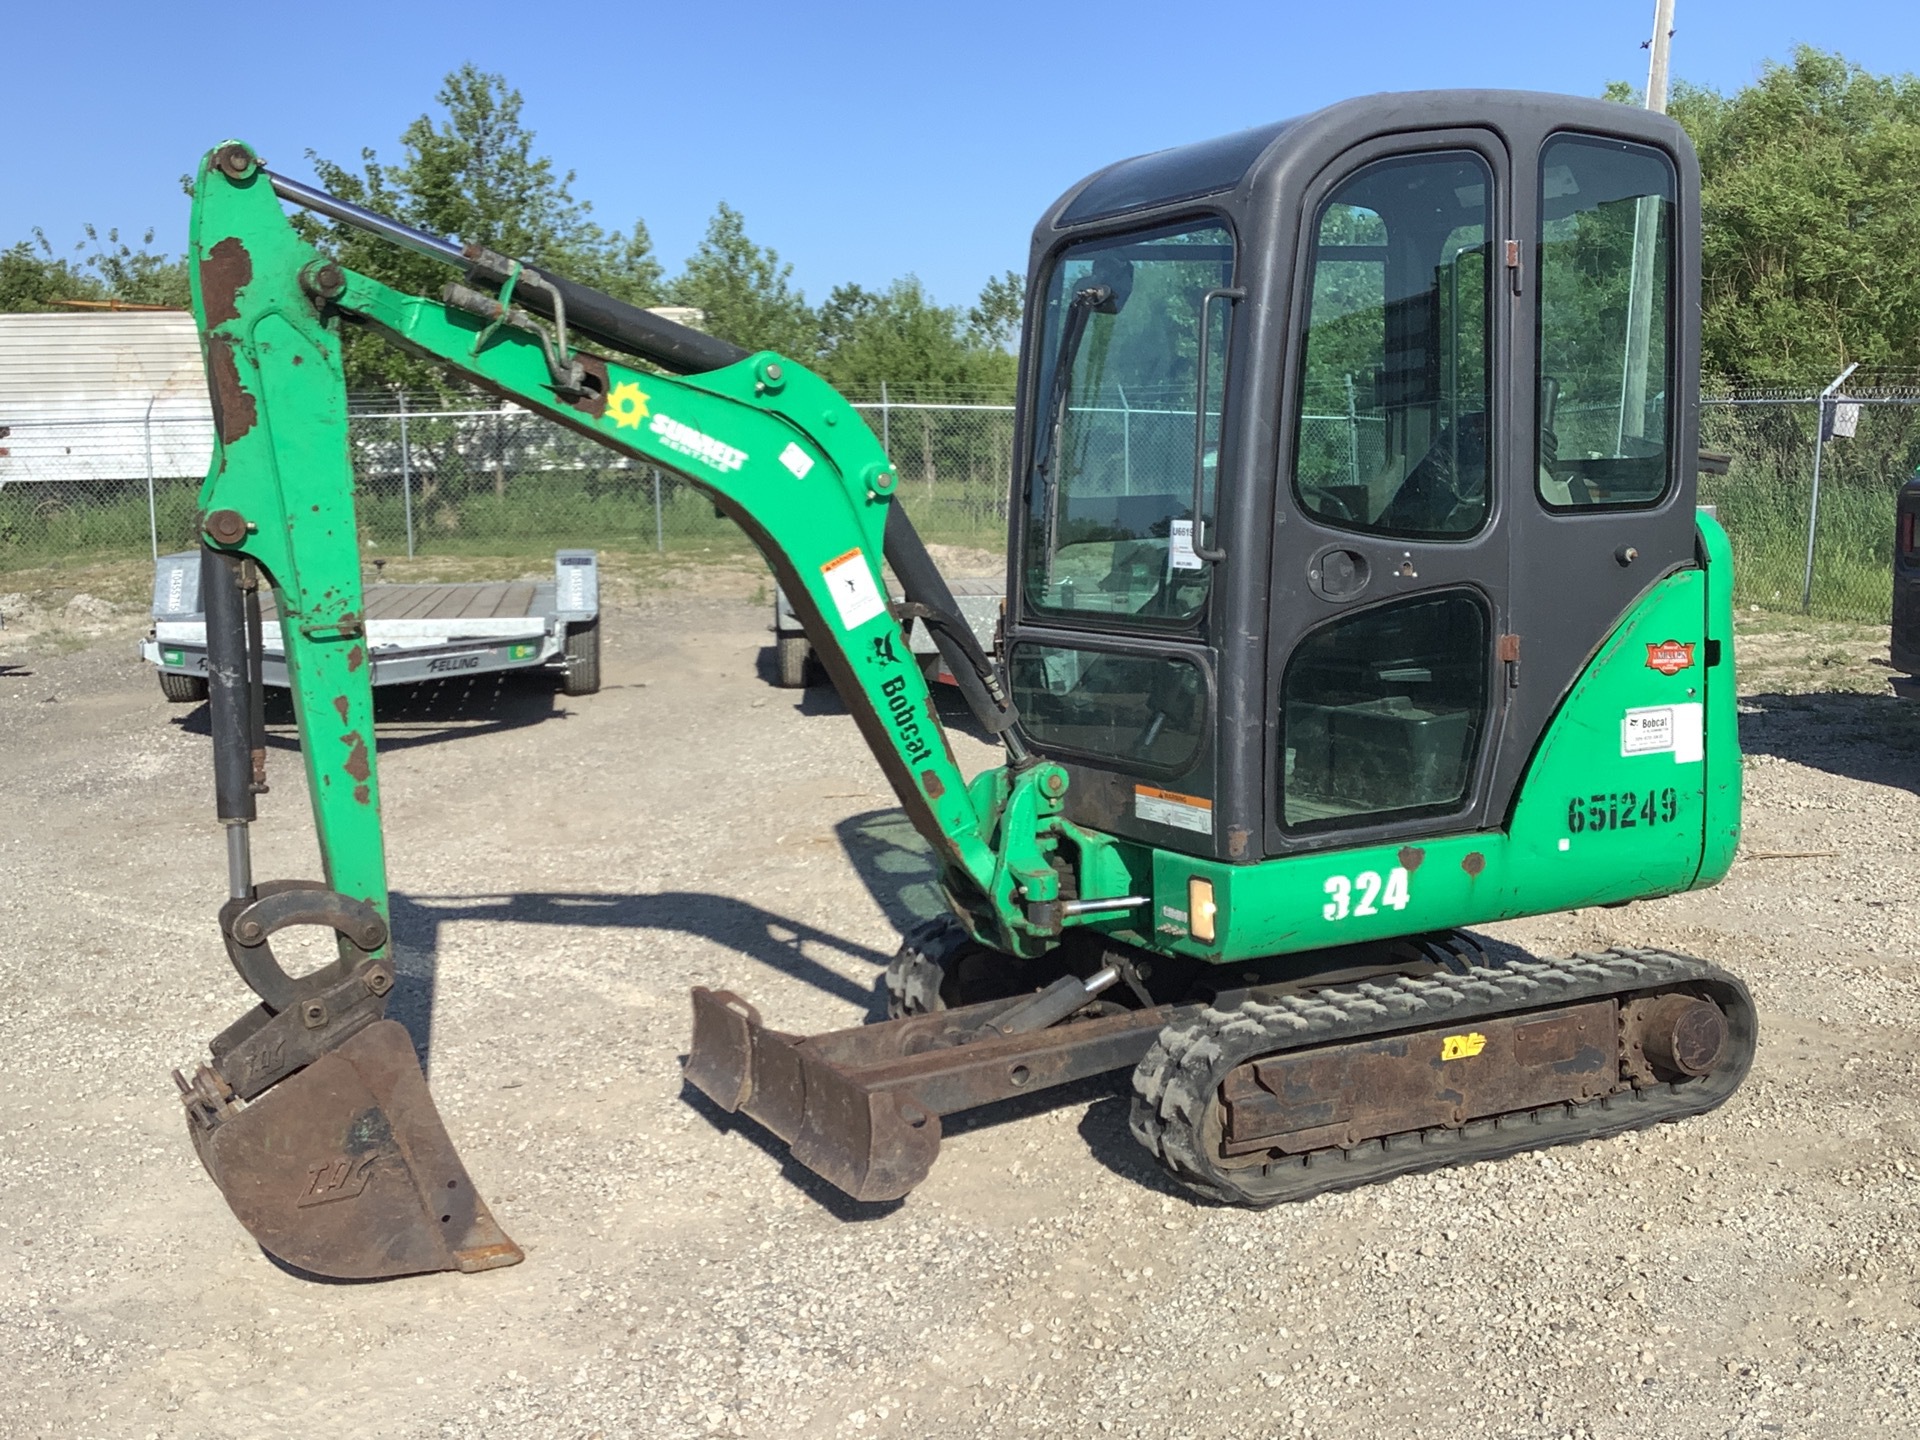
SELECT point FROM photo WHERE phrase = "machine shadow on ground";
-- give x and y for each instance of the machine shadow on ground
(773, 940)
(1872, 738)
(424, 714)
(834, 1201)
(895, 865)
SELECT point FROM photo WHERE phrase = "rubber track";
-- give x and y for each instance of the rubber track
(1176, 1084)
(919, 967)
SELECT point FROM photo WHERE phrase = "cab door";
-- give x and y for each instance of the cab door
(1389, 627)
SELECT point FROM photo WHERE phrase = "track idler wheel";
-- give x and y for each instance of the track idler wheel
(939, 966)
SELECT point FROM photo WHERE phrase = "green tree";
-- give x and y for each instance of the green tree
(743, 291)
(1810, 211)
(473, 175)
(33, 276)
(994, 320)
(899, 336)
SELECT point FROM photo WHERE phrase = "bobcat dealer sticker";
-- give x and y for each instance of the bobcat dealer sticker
(1676, 730)
(1670, 657)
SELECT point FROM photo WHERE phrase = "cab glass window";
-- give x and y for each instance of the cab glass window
(1382, 713)
(1606, 323)
(1110, 489)
(1143, 711)
(1392, 431)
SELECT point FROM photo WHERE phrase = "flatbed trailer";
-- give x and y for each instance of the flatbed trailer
(979, 599)
(414, 632)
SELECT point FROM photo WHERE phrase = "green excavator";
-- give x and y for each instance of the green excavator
(1357, 594)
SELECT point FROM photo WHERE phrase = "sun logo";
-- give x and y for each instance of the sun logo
(627, 405)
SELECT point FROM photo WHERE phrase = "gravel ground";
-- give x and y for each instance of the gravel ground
(565, 869)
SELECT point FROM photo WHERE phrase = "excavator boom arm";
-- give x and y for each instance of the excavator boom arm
(774, 446)
(314, 1098)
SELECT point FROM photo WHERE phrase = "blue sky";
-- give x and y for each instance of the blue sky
(862, 141)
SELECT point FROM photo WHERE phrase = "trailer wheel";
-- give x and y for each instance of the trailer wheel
(794, 659)
(183, 689)
(582, 675)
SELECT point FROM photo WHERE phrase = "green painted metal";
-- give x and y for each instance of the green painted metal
(1572, 840)
(776, 447)
(280, 459)
(785, 455)
(1721, 835)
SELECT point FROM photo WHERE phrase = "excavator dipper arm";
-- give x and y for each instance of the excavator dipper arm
(312, 1115)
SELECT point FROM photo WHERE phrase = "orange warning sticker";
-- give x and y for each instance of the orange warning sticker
(1170, 807)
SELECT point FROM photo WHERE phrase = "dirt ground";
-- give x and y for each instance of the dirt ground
(564, 870)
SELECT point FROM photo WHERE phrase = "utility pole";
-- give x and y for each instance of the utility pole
(1657, 65)
(1635, 363)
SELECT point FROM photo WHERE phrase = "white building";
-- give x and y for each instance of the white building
(114, 396)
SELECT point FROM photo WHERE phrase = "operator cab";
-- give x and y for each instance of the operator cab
(1345, 443)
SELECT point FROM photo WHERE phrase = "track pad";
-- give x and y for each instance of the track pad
(344, 1169)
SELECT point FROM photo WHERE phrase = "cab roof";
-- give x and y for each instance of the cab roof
(1234, 162)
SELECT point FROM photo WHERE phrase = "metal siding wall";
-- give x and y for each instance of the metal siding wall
(77, 391)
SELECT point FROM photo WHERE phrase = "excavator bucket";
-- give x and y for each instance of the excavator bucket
(344, 1169)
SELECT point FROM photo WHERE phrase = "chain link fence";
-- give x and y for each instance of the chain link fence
(504, 482)
(1833, 560)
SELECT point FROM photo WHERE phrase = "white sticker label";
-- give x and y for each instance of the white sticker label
(1647, 731)
(796, 460)
(1180, 554)
(689, 441)
(850, 581)
(1169, 807)
(1689, 734)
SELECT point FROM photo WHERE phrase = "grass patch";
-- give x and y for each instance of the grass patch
(1784, 654)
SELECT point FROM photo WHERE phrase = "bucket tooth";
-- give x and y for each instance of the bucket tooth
(344, 1169)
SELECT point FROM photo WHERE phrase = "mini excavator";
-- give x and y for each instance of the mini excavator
(1357, 595)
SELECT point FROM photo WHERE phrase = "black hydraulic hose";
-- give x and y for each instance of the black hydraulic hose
(229, 705)
(597, 316)
(972, 671)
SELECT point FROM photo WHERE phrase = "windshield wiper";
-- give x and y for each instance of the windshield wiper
(1084, 303)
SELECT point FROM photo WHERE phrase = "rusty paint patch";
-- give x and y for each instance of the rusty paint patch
(340, 704)
(1473, 863)
(360, 794)
(1411, 857)
(234, 410)
(226, 268)
(593, 400)
(931, 783)
(356, 765)
(356, 657)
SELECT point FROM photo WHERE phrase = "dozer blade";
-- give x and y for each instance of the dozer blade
(861, 1107)
(344, 1169)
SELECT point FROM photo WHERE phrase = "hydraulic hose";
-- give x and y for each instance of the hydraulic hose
(972, 671)
(599, 317)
